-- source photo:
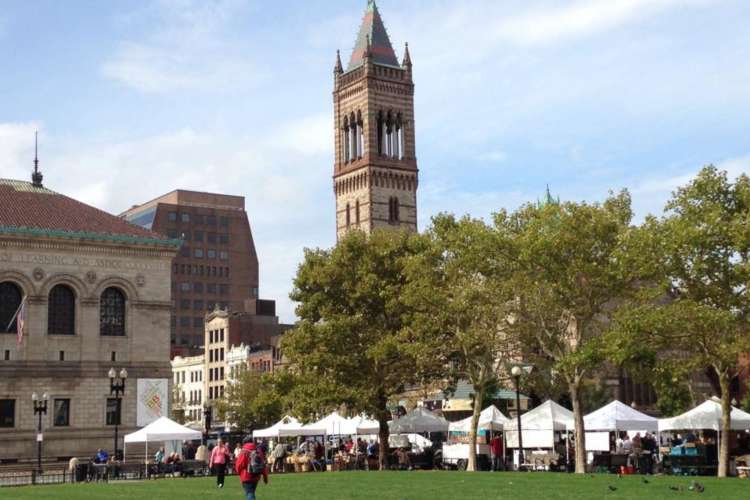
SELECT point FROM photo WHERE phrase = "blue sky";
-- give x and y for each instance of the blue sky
(134, 99)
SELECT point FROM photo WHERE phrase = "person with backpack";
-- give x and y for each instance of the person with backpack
(251, 467)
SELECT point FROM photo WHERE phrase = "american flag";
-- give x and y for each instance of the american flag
(21, 321)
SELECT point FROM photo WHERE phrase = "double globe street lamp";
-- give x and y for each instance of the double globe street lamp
(516, 372)
(117, 389)
(40, 408)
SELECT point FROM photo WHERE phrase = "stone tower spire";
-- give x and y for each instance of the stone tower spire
(375, 169)
(36, 175)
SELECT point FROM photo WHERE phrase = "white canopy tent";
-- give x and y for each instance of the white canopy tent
(617, 416)
(287, 426)
(419, 420)
(539, 426)
(706, 415)
(490, 419)
(162, 430)
(331, 425)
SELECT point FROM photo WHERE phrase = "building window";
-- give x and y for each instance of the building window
(198, 305)
(211, 288)
(112, 312)
(172, 217)
(211, 220)
(223, 255)
(224, 239)
(212, 237)
(198, 253)
(10, 301)
(185, 304)
(61, 412)
(224, 221)
(211, 253)
(185, 251)
(7, 412)
(197, 322)
(185, 217)
(172, 234)
(185, 287)
(198, 287)
(223, 289)
(356, 212)
(393, 210)
(348, 215)
(113, 411)
(198, 235)
(185, 321)
(61, 311)
(6, 356)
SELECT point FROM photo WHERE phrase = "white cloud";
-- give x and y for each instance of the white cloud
(188, 49)
(17, 149)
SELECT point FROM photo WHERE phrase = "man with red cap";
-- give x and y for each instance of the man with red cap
(249, 479)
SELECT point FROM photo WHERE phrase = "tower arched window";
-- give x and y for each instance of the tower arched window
(10, 301)
(348, 215)
(352, 138)
(61, 311)
(346, 145)
(356, 212)
(112, 313)
(381, 133)
(360, 135)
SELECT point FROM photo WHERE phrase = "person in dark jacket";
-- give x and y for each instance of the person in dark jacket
(249, 481)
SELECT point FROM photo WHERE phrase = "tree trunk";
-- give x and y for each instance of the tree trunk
(478, 398)
(383, 435)
(726, 424)
(580, 448)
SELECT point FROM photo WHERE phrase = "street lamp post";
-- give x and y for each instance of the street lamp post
(40, 408)
(516, 372)
(207, 417)
(117, 389)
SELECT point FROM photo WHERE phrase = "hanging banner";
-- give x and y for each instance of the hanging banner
(153, 400)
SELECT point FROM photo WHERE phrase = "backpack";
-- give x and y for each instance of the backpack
(255, 465)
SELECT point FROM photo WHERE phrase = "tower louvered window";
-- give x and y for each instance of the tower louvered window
(393, 209)
(112, 313)
(61, 311)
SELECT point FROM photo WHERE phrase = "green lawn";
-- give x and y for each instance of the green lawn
(398, 485)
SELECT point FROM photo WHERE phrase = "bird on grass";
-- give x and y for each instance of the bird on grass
(676, 488)
(611, 488)
(696, 486)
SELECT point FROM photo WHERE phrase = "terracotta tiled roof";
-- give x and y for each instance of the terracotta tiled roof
(25, 208)
(380, 45)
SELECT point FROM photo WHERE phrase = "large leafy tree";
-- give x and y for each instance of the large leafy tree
(572, 273)
(698, 312)
(348, 348)
(458, 287)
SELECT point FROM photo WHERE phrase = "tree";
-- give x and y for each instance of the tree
(461, 303)
(702, 248)
(348, 348)
(254, 400)
(572, 273)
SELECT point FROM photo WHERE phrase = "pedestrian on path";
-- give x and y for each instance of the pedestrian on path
(251, 467)
(220, 455)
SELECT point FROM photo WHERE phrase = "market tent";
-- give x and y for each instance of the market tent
(287, 426)
(331, 425)
(163, 429)
(419, 420)
(366, 426)
(490, 419)
(617, 416)
(539, 426)
(707, 415)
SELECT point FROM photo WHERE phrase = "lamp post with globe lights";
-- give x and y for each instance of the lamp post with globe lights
(40, 408)
(117, 389)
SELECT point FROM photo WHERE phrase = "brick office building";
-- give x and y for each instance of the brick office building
(217, 264)
(375, 173)
(97, 296)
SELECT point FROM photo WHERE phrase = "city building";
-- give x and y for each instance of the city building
(375, 173)
(188, 382)
(89, 292)
(217, 263)
(251, 336)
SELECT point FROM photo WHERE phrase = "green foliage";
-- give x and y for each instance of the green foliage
(255, 400)
(351, 347)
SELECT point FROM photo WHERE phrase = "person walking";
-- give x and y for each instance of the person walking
(496, 450)
(219, 457)
(251, 467)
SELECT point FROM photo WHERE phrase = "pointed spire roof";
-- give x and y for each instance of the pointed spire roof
(338, 68)
(373, 29)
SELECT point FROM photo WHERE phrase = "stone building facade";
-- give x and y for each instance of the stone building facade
(96, 295)
(375, 175)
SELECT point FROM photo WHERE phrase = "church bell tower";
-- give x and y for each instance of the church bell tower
(375, 173)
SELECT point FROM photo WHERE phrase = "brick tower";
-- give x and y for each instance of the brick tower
(375, 173)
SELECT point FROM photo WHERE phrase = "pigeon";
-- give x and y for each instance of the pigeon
(676, 488)
(695, 486)
(611, 488)
(644, 480)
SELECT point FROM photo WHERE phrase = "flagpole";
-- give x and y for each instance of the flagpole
(7, 328)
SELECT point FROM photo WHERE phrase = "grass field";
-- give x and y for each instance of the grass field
(395, 485)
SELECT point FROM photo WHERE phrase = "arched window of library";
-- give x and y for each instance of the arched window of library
(61, 314)
(112, 313)
(10, 303)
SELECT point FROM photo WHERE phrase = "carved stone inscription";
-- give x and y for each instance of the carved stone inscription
(76, 261)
